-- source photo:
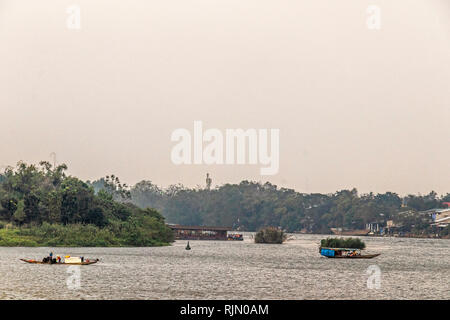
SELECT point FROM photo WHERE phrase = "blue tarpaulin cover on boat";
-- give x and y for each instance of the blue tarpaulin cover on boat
(327, 252)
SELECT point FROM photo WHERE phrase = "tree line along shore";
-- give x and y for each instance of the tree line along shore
(251, 206)
(41, 205)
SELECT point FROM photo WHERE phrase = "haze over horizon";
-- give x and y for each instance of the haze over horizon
(356, 107)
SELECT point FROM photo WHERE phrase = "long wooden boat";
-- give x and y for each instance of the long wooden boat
(345, 253)
(363, 256)
(61, 263)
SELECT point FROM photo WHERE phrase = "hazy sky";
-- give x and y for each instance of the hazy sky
(355, 107)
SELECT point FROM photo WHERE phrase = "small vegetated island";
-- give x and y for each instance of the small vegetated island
(41, 206)
(270, 235)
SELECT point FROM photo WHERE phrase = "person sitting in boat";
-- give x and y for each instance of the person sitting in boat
(51, 259)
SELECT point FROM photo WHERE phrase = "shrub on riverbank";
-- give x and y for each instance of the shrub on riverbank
(270, 235)
(351, 243)
(13, 238)
(78, 235)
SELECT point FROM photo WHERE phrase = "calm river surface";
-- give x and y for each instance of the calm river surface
(410, 269)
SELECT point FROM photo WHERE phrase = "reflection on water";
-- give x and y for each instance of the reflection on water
(410, 269)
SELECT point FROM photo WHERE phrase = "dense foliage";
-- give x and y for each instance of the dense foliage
(270, 235)
(44, 198)
(250, 206)
(42, 205)
(351, 243)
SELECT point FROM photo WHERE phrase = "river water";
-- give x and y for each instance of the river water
(409, 269)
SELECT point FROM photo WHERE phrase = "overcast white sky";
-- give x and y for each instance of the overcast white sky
(355, 107)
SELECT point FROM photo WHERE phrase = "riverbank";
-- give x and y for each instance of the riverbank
(406, 235)
(40, 205)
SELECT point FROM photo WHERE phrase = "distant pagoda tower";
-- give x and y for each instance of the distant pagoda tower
(208, 182)
(404, 202)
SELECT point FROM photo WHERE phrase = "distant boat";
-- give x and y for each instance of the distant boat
(235, 237)
(188, 247)
(346, 253)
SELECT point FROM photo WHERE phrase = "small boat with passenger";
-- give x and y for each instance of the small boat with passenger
(235, 237)
(344, 248)
(67, 260)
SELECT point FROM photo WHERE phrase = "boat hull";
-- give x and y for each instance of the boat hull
(367, 256)
(60, 263)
